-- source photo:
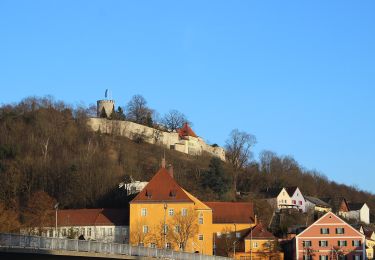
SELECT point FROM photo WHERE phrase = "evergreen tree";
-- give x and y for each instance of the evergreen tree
(216, 178)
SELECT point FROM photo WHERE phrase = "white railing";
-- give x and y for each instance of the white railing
(51, 243)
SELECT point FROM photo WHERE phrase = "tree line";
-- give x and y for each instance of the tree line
(48, 153)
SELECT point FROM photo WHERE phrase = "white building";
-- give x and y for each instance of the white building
(108, 225)
(133, 187)
(359, 212)
(279, 198)
(297, 198)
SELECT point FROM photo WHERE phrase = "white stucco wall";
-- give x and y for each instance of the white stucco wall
(299, 200)
(192, 145)
(283, 199)
(117, 234)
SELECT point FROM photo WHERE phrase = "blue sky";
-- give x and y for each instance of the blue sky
(299, 75)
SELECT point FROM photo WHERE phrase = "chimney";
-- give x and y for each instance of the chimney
(170, 170)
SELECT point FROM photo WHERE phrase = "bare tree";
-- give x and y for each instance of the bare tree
(138, 234)
(9, 219)
(174, 120)
(238, 152)
(38, 213)
(138, 112)
(185, 227)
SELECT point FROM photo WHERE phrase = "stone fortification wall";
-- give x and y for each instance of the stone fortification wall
(190, 145)
(107, 105)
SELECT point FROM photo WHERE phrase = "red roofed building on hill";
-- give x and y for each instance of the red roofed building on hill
(109, 225)
(163, 211)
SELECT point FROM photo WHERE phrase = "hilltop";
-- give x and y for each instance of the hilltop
(48, 146)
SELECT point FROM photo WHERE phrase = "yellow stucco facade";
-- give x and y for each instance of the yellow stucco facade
(147, 219)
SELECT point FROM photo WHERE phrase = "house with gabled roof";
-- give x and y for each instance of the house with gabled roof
(317, 204)
(359, 211)
(278, 198)
(297, 197)
(156, 210)
(370, 241)
(260, 244)
(330, 237)
(108, 225)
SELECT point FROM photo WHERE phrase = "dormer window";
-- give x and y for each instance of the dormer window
(172, 193)
(148, 194)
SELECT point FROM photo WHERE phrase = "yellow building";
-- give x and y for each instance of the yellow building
(370, 241)
(165, 215)
(260, 245)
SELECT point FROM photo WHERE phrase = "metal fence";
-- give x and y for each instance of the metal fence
(51, 243)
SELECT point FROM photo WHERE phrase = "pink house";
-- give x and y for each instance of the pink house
(330, 238)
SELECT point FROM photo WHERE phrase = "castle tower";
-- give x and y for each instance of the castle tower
(105, 107)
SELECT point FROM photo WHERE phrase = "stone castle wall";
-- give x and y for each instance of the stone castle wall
(190, 145)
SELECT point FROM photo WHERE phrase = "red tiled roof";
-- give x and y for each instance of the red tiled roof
(162, 187)
(259, 232)
(185, 130)
(231, 212)
(91, 217)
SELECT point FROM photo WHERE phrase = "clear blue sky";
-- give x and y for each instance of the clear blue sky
(299, 75)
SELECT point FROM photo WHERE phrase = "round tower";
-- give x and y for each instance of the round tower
(105, 107)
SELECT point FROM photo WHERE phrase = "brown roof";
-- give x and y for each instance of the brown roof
(231, 212)
(259, 232)
(185, 130)
(162, 187)
(91, 217)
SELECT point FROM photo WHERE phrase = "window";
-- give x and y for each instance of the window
(109, 231)
(168, 246)
(255, 244)
(102, 232)
(141, 244)
(323, 257)
(143, 212)
(89, 232)
(165, 228)
(200, 237)
(181, 246)
(342, 257)
(171, 212)
(356, 257)
(184, 212)
(342, 243)
(307, 257)
(218, 234)
(238, 234)
(293, 201)
(63, 232)
(50, 233)
(356, 243)
(145, 229)
(323, 243)
(300, 202)
(324, 231)
(152, 245)
(177, 229)
(306, 243)
(200, 219)
(340, 230)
